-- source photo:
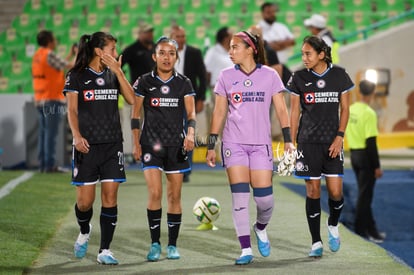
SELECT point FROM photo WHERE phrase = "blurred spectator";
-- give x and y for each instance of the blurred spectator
(48, 82)
(217, 57)
(138, 55)
(316, 24)
(278, 36)
(191, 64)
(362, 132)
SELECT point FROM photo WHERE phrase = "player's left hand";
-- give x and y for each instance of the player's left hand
(109, 61)
(336, 147)
(189, 143)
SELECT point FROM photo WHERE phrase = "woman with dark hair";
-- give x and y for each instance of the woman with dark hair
(319, 115)
(244, 95)
(92, 89)
(163, 143)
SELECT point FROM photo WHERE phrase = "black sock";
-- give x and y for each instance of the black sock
(335, 209)
(83, 218)
(108, 219)
(174, 222)
(154, 222)
(313, 214)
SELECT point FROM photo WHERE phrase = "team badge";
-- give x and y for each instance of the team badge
(100, 81)
(309, 98)
(155, 102)
(299, 166)
(227, 153)
(88, 95)
(321, 83)
(165, 89)
(75, 172)
(247, 83)
(236, 97)
(147, 157)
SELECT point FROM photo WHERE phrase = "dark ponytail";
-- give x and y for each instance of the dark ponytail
(319, 45)
(87, 44)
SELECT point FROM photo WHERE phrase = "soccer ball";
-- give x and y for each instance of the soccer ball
(206, 210)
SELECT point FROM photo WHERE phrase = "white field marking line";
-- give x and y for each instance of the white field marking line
(5, 190)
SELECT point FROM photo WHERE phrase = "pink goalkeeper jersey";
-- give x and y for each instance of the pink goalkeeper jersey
(250, 98)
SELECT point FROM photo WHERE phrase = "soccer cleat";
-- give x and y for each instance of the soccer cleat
(244, 260)
(333, 238)
(81, 244)
(154, 253)
(172, 252)
(263, 243)
(106, 257)
(316, 250)
(375, 236)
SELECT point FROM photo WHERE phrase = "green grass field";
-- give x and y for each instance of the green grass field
(38, 229)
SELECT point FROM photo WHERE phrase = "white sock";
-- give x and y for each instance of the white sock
(246, 251)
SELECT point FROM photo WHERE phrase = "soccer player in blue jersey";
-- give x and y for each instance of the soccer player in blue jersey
(319, 115)
(163, 143)
(244, 95)
(92, 89)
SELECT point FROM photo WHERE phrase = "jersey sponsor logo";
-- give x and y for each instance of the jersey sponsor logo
(321, 83)
(155, 101)
(89, 95)
(100, 94)
(236, 97)
(165, 89)
(248, 83)
(100, 81)
(321, 97)
(164, 102)
(309, 98)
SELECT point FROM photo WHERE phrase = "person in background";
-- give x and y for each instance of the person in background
(244, 95)
(278, 36)
(217, 56)
(48, 81)
(93, 87)
(319, 115)
(316, 24)
(361, 135)
(191, 64)
(162, 145)
(138, 55)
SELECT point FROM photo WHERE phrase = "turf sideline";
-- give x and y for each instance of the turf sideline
(6, 189)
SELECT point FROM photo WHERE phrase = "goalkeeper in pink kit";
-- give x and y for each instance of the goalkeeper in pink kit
(244, 95)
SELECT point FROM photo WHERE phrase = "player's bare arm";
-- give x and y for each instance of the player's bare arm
(80, 143)
(136, 131)
(191, 118)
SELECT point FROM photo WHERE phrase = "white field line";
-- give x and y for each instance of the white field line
(5, 190)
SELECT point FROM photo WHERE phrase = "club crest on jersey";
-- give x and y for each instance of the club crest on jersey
(165, 89)
(309, 98)
(155, 102)
(321, 83)
(247, 83)
(89, 95)
(100, 81)
(236, 97)
(147, 157)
